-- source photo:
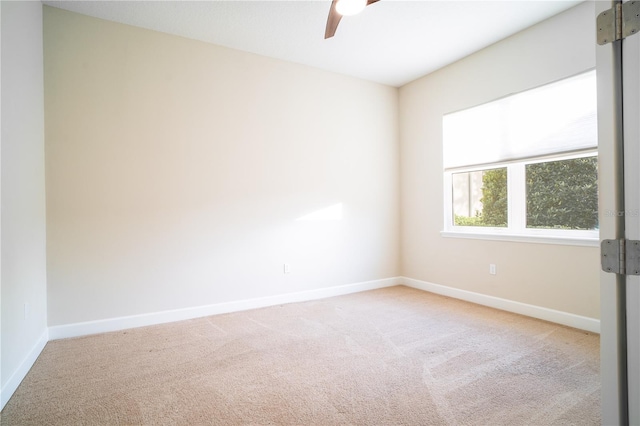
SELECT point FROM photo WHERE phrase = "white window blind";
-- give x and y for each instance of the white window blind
(556, 118)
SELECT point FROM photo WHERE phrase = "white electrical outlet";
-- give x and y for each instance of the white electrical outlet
(492, 269)
(287, 268)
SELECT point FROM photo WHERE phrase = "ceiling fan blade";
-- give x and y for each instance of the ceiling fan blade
(332, 21)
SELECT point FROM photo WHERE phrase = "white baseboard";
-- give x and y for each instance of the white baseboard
(21, 372)
(558, 317)
(121, 323)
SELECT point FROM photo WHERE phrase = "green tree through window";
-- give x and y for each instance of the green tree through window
(494, 197)
(563, 194)
(481, 198)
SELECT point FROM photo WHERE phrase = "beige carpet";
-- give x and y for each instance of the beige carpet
(395, 356)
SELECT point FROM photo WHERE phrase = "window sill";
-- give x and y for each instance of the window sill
(561, 240)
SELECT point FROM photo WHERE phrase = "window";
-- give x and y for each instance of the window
(525, 166)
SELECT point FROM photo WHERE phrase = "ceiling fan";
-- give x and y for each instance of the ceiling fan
(340, 8)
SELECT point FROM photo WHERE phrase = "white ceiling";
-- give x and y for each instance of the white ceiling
(392, 42)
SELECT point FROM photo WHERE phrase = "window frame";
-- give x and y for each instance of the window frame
(516, 229)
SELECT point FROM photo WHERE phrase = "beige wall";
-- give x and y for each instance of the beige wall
(176, 171)
(564, 278)
(23, 193)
